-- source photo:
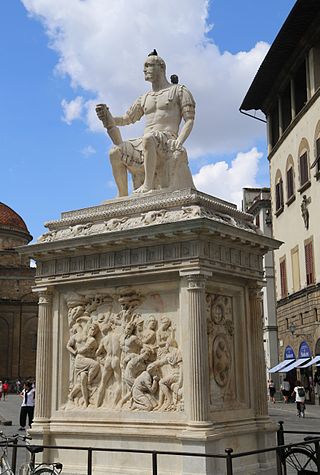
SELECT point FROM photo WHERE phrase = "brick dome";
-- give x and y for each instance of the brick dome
(10, 220)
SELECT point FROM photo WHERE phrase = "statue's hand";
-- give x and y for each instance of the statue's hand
(175, 145)
(101, 110)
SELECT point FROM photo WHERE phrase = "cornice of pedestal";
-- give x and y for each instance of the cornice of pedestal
(156, 217)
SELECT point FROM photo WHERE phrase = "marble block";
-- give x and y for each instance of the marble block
(150, 334)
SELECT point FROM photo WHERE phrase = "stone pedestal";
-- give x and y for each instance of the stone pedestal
(150, 334)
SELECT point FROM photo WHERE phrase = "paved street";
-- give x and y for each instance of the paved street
(287, 413)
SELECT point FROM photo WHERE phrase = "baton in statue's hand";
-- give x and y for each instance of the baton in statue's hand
(108, 121)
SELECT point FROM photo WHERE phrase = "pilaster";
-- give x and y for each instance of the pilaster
(44, 355)
(257, 351)
(198, 372)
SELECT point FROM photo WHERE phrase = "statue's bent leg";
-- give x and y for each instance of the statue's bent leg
(119, 171)
(149, 146)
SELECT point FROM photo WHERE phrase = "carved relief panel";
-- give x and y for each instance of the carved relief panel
(220, 349)
(124, 351)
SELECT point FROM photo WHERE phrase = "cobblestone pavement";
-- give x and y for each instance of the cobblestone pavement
(10, 410)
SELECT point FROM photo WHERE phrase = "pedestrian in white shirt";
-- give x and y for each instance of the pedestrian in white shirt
(300, 396)
(27, 406)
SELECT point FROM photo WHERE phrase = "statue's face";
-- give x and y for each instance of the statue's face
(152, 69)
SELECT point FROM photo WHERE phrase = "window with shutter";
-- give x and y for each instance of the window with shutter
(290, 184)
(304, 173)
(279, 195)
(308, 248)
(295, 269)
(283, 279)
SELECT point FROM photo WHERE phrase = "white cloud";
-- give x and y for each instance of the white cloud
(102, 44)
(226, 182)
(89, 150)
(72, 110)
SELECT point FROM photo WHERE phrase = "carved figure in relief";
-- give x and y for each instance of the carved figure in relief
(165, 336)
(171, 382)
(153, 216)
(85, 366)
(114, 223)
(143, 390)
(130, 342)
(134, 365)
(157, 160)
(110, 348)
(149, 336)
(112, 353)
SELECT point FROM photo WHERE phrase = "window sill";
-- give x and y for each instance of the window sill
(305, 186)
(290, 200)
(279, 211)
(317, 175)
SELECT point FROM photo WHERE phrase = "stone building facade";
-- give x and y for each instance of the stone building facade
(257, 201)
(287, 90)
(18, 305)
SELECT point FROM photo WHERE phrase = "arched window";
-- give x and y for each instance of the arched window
(290, 179)
(304, 153)
(279, 192)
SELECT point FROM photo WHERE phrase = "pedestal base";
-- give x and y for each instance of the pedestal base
(151, 336)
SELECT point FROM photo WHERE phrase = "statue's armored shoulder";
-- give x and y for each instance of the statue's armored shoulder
(187, 102)
(135, 112)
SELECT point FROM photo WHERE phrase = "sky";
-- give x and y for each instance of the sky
(61, 57)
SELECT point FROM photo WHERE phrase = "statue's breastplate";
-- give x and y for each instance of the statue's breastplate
(162, 100)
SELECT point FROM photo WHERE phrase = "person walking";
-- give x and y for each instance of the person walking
(272, 391)
(27, 406)
(300, 396)
(5, 390)
(285, 389)
(1, 390)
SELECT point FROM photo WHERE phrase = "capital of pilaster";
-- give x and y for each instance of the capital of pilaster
(255, 292)
(44, 295)
(196, 279)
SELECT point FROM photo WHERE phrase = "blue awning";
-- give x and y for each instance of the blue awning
(314, 360)
(279, 366)
(293, 365)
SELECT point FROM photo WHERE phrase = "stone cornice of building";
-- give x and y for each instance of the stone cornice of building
(301, 293)
(258, 205)
(293, 123)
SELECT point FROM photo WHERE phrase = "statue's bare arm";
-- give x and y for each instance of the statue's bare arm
(184, 133)
(134, 114)
(122, 120)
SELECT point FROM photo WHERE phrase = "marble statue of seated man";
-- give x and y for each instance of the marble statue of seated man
(158, 159)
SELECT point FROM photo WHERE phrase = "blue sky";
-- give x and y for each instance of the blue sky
(53, 153)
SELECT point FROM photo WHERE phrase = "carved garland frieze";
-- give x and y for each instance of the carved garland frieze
(154, 217)
(119, 358)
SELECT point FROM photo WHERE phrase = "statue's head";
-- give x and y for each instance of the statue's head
(154, 66)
